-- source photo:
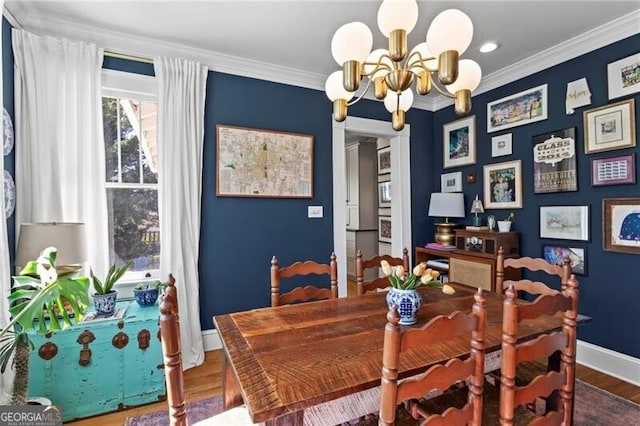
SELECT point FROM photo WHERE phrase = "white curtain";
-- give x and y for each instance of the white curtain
(60, 166)
(181, 95)
(6, 380)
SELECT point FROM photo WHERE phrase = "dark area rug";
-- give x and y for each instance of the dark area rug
(593, 407)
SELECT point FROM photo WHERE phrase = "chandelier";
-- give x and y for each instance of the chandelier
(432, 64)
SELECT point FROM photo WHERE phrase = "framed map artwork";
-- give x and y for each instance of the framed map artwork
(263, 163)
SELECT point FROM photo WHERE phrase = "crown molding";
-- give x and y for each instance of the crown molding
(18, 15)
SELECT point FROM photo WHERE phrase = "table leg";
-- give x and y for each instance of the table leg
(231, 395)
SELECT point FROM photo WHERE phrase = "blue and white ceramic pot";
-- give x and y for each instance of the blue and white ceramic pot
(105, 304)
(408, 303)
(146, 297)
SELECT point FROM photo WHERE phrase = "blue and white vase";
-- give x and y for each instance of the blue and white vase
(105, 304)
(408, 303)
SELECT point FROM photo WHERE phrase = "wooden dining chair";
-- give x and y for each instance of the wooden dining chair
(172, 355)
(563, 272)
(557, 387)
(399, 342)
(303, 293)
(374, 262)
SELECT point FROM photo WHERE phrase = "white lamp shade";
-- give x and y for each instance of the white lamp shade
(397, 15)
(392, 104)
(334, 88)
(69, 238)
(469, 75)
(424, 51)
(446, 204)
(373, 58)
(450, 30)
(351, 42)
(476, 206)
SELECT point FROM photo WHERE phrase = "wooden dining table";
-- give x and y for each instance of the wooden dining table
(284, 361)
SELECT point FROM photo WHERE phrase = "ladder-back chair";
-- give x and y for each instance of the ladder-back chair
(306, 293)
(531, 264)
(374, 262)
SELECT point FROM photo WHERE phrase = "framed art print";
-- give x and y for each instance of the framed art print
(459, 142)
(384, 194)
(384, 229)
(554, 162)
(564, 222)
(503, 185)
(623, 76)
(451, 182)
(384, 160)
(610, 127)
(619, 170)
(522, 108)
(621, 230)
(501, 145)
(555, 254)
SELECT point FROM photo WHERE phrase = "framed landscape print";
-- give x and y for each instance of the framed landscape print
(555, 255)
(384, 229)
(564, 222)
(614, 170)
(451, 182)
(503, 185)
(384, 160)
(524, 107)
(610, 127)
(459, 142)
(621, 230)
(554, 162)
(623, 76)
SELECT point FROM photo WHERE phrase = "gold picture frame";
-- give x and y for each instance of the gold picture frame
(621, 230)
(610, 127)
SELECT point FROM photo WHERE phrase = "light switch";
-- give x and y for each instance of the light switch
(314, 211)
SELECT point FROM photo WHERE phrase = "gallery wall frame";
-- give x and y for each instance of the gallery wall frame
(621, 228)
(451, 182)
(619, 170)
(555, 254)
(623, 76)
(564, 222)
(459, 142)
(518, 109)
(503, 185)
(384, 160)
(501, 145)
(384, 229)
(554, 162)
(384, 194)
(610, 127)
(241, 150)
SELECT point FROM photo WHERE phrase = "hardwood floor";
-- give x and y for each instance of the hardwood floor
(206, 380)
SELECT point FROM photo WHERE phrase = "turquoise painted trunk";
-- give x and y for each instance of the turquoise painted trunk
(100, 365)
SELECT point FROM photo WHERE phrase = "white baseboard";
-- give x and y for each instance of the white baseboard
(615, 364)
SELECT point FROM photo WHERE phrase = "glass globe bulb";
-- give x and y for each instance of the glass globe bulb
(397, 15)
(392, 104)
(424, 51)
(351, 42)
(373, 58)
(450, 30)
(334, 89)
(469, 75)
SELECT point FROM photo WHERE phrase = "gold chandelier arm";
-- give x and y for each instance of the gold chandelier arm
(420, 62)
(442, 91)
(378, 66)
(361, 94)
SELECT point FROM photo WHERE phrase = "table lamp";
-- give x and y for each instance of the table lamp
(69, 238)
(476, 207)
(446, 204)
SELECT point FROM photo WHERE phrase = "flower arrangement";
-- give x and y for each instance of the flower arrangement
(420, 276)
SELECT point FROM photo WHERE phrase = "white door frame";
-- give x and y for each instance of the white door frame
(400, 187)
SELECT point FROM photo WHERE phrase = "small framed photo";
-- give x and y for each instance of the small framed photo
(621, 230)
(555, 255)
(384, 194)
(610, 127)
(564, 222)
(451, 182)
(384, 229)
(522, 108)
(623, 76)
(503, 185)
(501, 145)
(619, 170)
(384, 160)
(459, 142)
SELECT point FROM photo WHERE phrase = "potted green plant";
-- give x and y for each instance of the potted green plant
(505, 225)
(43, 298)
(104, 298)
(147, 293)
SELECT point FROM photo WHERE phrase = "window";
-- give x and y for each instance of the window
(131, 180)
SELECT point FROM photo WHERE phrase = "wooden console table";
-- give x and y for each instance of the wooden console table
(473, 262)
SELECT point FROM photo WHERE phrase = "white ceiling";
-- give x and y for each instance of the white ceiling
(297, 34)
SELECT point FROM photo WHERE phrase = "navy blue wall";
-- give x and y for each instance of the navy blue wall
(611, 291)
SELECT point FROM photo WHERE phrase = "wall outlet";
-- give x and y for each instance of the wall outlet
(314, 211)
